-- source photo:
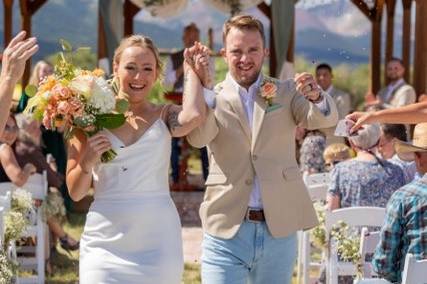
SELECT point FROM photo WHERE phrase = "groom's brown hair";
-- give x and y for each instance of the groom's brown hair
(243, 22)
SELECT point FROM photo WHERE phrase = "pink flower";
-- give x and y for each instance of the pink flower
(62, 91)
(64, 107)
(46, 121)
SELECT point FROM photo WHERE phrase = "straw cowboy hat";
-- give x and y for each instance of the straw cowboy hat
(406, 150)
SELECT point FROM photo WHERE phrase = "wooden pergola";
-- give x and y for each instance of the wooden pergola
(372, 9)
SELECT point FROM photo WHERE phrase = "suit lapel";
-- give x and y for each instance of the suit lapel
(233, 98)
(260, 107)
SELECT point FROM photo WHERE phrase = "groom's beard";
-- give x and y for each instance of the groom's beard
(246, 80)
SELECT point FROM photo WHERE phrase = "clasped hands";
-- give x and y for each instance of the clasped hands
(197, 57)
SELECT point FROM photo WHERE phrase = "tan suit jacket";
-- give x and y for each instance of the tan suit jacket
(343, 103)
(237, 154)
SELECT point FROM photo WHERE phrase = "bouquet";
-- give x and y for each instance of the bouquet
(73, 98)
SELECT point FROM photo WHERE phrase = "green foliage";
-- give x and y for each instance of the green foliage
(84, 59)
(110, 120)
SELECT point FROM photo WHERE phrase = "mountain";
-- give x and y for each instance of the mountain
(326, 30)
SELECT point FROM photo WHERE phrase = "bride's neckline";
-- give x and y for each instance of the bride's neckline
(123, 145)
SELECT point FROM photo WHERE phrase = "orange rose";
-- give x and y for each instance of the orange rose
(268, 90)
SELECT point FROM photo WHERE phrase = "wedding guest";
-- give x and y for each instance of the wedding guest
(405, 230)
(52, 141)
(390, 132)
(13, 62)
(397, 93)
(365, 180)
(410, 114)
(324, 77)
(336, 153)
(311, 158)
(174, 79)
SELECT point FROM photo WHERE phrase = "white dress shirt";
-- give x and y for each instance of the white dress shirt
(248, 99)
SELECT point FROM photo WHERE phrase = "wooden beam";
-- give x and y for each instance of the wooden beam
(420, 60)
(406, 38)
(265, 9)
(35, 5)
(7, 19)
(363, 7)
(391, 9)
(129, 12)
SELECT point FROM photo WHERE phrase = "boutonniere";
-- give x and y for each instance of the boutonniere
(268, 92)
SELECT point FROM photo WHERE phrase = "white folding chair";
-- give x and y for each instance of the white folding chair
(368, 244)
(353, 217)
(317, 187)
(37, 185)
(414, 271)
(371, 281)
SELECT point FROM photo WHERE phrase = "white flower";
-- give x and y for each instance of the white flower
(22, 200)
(82, 85)
(102, 97)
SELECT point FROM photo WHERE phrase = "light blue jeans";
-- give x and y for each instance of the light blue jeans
(252, 256)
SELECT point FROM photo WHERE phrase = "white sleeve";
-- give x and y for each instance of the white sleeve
(209, 96)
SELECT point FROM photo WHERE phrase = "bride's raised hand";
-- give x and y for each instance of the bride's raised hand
(95, 146)
(198, 57)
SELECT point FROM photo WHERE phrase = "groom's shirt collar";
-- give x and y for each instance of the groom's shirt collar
(241, 90)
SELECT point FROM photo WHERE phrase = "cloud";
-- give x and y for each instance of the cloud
(350, 23)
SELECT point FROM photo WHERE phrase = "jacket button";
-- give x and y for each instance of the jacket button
(248, 182)
(254, 157)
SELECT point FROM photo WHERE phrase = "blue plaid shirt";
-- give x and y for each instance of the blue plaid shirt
(404, 230)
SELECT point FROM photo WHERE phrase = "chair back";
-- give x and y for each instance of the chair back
(355, 216)
(317, 185)
(368, 244)
(37, 185)
(414, 271)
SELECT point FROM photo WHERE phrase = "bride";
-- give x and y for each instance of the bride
(132, 232)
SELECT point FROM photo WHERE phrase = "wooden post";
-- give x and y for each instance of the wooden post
(406, 38)
(376, 16)
(8, 5)
(28, 9)
(102, 43)
(420, 60)
(266, 10)
(290, 54)
(129, 12)
(391, 8)
(210, 39)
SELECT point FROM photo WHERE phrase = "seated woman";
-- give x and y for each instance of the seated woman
(21, 158)
(365, 180)
(311, 159)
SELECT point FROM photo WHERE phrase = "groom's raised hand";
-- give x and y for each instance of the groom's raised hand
(197, 57)
(307, 86)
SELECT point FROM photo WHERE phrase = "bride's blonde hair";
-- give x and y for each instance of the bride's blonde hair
(141, 41)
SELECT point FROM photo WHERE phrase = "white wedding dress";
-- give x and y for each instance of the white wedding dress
(132, 232)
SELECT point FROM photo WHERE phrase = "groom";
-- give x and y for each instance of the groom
(255, 199)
